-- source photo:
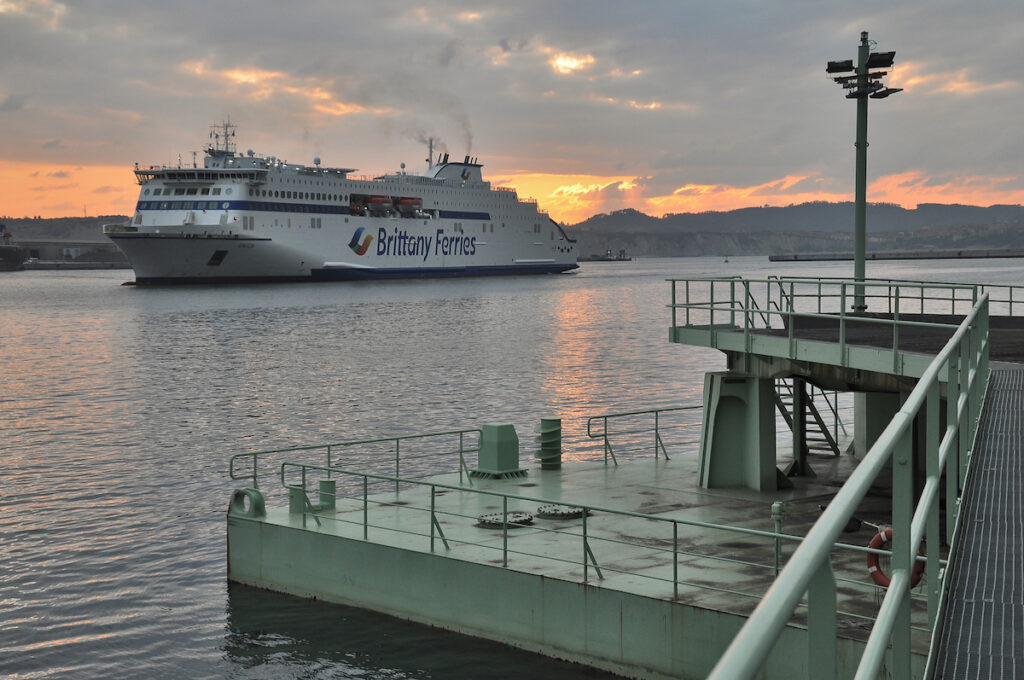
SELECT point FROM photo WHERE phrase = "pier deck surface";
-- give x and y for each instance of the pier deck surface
(983, 622)
(634, 554)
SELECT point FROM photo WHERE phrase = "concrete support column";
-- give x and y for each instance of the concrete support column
(737, 440)
(872, 412)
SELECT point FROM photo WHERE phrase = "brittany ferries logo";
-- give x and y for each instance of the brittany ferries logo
(465, 173)
(360, 243)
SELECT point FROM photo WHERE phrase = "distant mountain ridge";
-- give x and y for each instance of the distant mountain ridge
(803, 228)
(814, 216)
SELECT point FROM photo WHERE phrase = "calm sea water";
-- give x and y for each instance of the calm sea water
(120, 407)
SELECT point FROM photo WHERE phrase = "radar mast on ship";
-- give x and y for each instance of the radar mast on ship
(223, 139)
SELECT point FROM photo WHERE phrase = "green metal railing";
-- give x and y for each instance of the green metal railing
(725, 302)
(650, 425)
(393, 450)
(961, 369)
(1002, 298)
(750, 315)
(643, 423)
(588, 540)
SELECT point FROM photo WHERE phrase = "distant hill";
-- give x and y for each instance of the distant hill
(817, 216)
(61, 228)
(808, 227)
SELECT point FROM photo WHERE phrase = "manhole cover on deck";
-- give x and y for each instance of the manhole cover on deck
(497, 520)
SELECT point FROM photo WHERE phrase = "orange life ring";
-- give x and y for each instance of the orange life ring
(878, 541)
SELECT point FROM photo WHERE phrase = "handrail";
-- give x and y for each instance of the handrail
(656, 429)
(964, 363)
(1009, 299)
(303, 470)
(462, 450)
(714, 300)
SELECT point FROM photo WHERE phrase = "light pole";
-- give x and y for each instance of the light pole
(863, 83)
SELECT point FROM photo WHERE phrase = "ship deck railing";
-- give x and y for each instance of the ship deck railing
(416, 452)
(959, 372)
(635, 427)
(678, 428)
(812, 320)
(633, 551)
(770, 302)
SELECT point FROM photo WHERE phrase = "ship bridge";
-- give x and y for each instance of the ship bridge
(200, 176)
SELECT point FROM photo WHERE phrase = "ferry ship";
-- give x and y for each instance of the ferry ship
(253, 218)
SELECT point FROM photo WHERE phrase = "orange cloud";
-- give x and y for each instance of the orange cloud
(914, 76)
(911, 188)
(567, 63)
(568, 198)
(46, 12)
(31, 189)
(61, 191)
(574, 198)
(260, 84)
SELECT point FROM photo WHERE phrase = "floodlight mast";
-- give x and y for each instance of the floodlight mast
(862, 84)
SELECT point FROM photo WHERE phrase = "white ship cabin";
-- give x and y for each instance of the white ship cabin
(233, 192)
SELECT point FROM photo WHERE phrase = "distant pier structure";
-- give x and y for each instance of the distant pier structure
(937, 254)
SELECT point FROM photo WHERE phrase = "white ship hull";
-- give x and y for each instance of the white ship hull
(427, 250)
(249, 218)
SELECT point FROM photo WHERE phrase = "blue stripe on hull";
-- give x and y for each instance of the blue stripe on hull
(439, 272)
(367, 274)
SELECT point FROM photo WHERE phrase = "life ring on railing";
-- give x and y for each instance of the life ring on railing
(879, 541)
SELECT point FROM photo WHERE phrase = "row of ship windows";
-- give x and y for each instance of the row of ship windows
(269, 193)
(184, 205)
(181, 191)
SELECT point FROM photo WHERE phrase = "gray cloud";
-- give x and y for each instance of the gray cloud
(13, 102)
(736, 91)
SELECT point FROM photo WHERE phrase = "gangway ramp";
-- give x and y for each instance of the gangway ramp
(982, 627)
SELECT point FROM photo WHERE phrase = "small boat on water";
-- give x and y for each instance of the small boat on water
(607, 257)
(12, 256)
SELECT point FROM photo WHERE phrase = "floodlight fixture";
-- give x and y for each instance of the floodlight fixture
(881, 59)
(882, 94)
(840, 66)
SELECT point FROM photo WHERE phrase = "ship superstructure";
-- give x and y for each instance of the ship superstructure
(250, 217)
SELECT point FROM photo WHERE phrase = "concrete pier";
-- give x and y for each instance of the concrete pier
(654, 581)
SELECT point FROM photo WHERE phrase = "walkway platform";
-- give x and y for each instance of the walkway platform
(661, 568)
(661, 595)
(982, 632)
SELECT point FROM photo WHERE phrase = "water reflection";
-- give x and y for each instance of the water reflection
(609, 355)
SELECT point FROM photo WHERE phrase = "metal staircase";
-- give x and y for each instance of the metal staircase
(817, 436)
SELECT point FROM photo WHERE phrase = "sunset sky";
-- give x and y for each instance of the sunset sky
(588, 107)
